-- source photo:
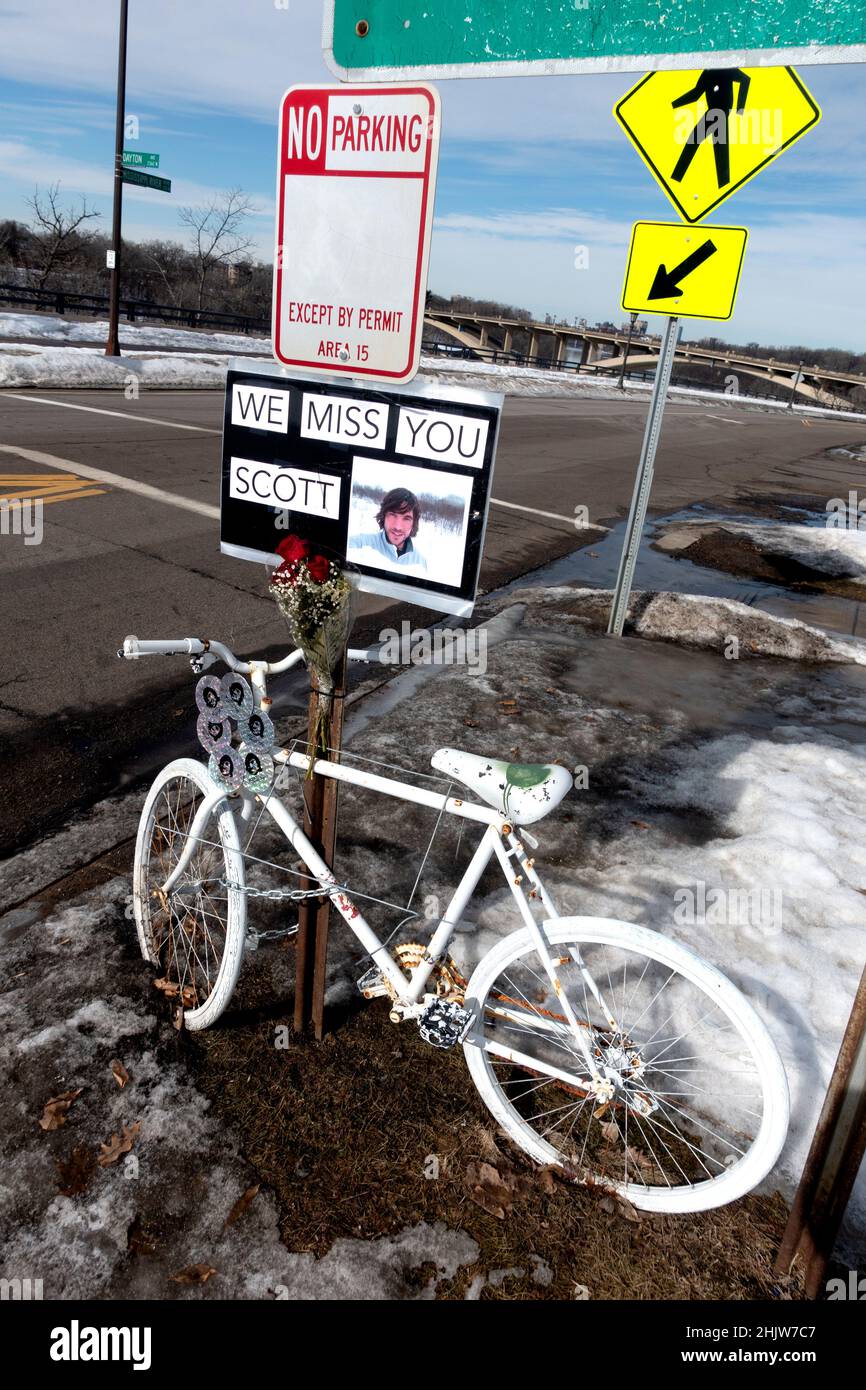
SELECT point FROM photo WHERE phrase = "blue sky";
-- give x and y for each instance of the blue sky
(529, 167)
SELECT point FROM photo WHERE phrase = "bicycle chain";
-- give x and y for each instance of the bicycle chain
(253, 937)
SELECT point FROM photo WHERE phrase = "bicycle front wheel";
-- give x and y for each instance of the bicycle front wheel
(685, 1106)
(194, 935)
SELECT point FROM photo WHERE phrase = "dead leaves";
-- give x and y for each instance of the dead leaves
(119, 1144)
(119, 1072)
(194, 1274)
(496, 1190)
(487, 1189)
(171, 989)
(241, 1205)
(54, 1114)
(619, 1206)
(75, 1171)
(508, 708)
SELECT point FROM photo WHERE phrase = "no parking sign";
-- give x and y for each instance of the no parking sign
(356, 175)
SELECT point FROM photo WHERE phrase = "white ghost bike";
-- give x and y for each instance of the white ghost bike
(599, 1046)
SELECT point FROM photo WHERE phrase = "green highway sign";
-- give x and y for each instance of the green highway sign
(138, 159)
(146, 180)
(386, 40)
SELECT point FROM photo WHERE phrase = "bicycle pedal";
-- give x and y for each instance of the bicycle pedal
(372, 984)
(444, 1023)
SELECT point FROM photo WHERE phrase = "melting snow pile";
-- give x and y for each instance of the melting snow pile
(693, 620)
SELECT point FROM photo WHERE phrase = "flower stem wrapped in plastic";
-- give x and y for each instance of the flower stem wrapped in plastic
(314, 596)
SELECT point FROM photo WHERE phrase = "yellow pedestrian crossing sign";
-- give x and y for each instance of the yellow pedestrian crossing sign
(706, 132)
(686, 272)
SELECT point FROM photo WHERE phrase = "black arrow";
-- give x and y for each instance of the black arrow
(666, 283)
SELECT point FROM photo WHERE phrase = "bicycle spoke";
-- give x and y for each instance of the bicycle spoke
(664, 1108)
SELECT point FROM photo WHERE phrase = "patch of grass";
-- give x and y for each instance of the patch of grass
(344, 1131)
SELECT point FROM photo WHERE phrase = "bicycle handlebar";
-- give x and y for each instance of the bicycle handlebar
(135, 647)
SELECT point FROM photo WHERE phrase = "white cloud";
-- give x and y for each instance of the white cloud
(231, 58)
(240, 55)
(30, 165)
(804, 278)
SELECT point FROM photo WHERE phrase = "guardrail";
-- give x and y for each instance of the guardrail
(65, 301)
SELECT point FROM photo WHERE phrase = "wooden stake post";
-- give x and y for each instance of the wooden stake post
(834, 1158)
(320, 825)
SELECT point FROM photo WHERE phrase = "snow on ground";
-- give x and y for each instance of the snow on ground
(834, 550)
(744, 776)
(23, 364)
(57, 368)
(696, 620)
(72, 1003)
(20, 327)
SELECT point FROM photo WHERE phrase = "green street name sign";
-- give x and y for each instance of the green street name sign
(139, 159)
(146, 180)
(385, 40)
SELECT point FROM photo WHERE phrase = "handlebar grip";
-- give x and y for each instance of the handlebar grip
(134, 647)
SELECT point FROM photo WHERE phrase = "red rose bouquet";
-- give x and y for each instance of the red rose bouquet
(314, 596)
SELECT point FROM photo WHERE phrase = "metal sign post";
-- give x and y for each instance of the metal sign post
(643, 481)
(112, 347)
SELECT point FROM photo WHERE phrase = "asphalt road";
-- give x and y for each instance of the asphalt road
(74, 722)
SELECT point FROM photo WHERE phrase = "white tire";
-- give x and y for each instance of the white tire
(196, 938)
(700, 1107)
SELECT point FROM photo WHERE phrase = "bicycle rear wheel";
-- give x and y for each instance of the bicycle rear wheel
(195, 934)
(695, 1110)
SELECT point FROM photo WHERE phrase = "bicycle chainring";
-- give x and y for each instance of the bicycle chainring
(446, 981)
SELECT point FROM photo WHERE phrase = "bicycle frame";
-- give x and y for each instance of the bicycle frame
(498, 833)
(525, 886)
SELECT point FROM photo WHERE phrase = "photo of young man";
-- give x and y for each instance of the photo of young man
(398, 519)
(408, 521)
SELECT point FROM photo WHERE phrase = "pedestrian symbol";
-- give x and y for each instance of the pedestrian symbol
(707, 132)
(686, 272)
(717, 87)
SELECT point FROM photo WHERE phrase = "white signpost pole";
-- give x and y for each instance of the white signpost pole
(644, 480)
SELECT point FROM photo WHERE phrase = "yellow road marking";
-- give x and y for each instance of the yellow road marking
(46, 487)
(65, 496)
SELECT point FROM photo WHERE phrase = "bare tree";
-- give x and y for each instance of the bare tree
(214, 233)
(58, 239)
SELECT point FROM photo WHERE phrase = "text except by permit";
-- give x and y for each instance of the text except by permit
(345, 316)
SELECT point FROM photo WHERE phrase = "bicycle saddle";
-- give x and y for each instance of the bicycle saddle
(522, 792)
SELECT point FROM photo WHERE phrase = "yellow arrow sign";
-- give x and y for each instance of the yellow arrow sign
(687, 272)
(705, 133)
